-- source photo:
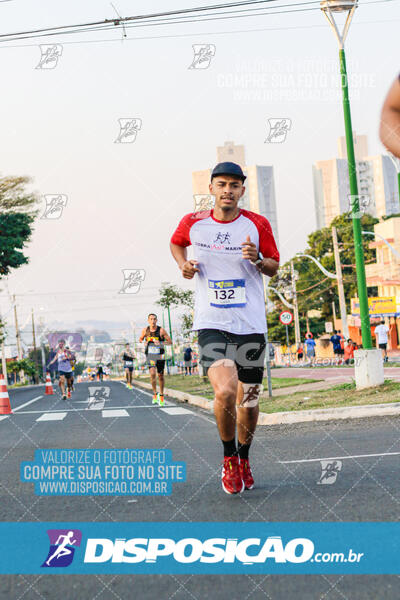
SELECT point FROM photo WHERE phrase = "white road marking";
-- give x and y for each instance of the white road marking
(31, 412)
(26, 403)
(95, 405)
(2, 418)
(115, 413)
(177, 410)
(305, 460)
(52, 416)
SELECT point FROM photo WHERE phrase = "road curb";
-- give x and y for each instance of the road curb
(295, 416)
(182, 396)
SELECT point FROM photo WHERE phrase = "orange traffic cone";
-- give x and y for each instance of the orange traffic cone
(5, 407)
(49, 388)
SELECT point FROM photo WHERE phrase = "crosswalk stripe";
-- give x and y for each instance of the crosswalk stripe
(177, 410)
(115, 413)
(52, 416)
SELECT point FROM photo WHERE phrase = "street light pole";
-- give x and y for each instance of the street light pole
(329, 7)
(295, 307)
(170, 335)
(396, 161)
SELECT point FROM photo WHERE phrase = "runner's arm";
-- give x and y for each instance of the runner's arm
(54, 360)
(268, 266)
(167, 339)
(188, 267)
(389, 130)
(142, 335)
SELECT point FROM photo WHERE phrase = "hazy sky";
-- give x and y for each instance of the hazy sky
(59, 126)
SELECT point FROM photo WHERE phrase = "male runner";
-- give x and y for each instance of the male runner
(156, 337)
(63, 358)
(232, 247)
(73, 363)
(127, 355)
(100, 371)
(381, 334)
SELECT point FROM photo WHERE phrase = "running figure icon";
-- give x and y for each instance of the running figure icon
(62, 549)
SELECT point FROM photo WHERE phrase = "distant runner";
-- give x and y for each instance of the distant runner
(127, 355)
(156, 337)
(100, 371)
(64, 358)
(381, 334)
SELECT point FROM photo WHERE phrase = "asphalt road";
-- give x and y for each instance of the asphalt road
(287, 469)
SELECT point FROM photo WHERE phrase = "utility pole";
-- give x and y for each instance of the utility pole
(33, 331)
(334, 315)
(170, 335)
(3, 353)
(342, 299)
(18, 336)
(296, 310)
(269, 380)
(34, 344)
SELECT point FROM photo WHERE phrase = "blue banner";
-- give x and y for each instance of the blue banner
(102, 472)
(196, 548)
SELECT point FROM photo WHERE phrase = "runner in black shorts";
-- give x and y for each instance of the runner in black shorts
(64, 360)
(127, 355)
(232, 248)
(156, 337)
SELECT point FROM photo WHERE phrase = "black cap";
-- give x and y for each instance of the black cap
(228, 168)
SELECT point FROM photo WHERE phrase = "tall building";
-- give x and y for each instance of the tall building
(385, 185)
(376, 178)
(230, 152)
(385, 273)
(360, 146)
(260, 188)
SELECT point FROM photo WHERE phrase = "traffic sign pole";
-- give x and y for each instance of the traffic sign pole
(287, 343)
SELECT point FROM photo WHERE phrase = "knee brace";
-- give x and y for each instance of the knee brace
(251, 393)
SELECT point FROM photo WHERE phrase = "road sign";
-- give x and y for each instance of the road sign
(286, 317)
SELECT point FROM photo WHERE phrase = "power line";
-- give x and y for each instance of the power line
(169, 17)
(110, 23)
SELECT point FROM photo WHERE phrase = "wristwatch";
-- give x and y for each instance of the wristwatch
(259, 259)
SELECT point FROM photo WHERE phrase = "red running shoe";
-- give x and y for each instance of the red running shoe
(246, 474)
(232, 482)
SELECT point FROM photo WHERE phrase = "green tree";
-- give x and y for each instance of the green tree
(25, 364)
(314, 290)
(79, 368)
(172, 295)
(277, 331)
(16, 217)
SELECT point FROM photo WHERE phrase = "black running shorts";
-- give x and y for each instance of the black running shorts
(247, 352)
(67, 374)
(154, 362)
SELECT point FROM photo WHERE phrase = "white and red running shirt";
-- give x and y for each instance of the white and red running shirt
(229, 288)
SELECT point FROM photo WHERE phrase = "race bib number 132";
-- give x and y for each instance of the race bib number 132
(227, 293)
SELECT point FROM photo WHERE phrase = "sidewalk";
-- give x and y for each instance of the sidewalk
(308, 387)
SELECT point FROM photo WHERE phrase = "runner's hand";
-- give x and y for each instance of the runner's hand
(189, 269)
(249, 250)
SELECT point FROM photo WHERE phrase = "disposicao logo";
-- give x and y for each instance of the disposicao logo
(62, 547)
(191, 550)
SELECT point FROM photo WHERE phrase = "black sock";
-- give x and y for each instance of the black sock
(244, 450)
(230, 448)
